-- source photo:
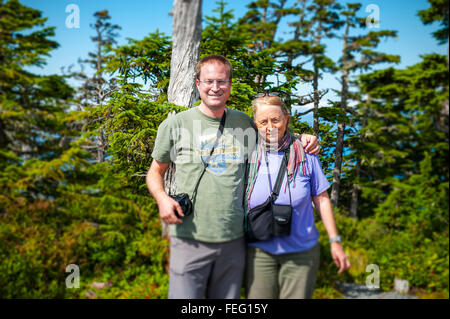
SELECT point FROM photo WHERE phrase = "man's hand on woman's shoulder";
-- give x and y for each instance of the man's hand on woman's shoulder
(310, 143)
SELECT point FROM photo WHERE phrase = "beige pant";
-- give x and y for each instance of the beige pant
(285, 276)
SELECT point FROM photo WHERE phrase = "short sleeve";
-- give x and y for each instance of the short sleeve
(319, 182)
(163, 142)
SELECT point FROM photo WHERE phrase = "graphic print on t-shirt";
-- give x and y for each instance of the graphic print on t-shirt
(226, 153)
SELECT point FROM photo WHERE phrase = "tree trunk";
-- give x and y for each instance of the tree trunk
(98, 79)
(339, 144)
(4, 140)
(316, 82)
(187, 29)
(186, 35)
(316, 99)
(341, 124)
(100, 147)
(356, 185)
(355, 190)
(337, 164)
(298, 28)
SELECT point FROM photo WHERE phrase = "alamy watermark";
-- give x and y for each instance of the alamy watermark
(73, 19)
(373, 19)
(73, 280)
(373, 280)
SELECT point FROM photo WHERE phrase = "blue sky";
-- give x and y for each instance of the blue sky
(137, 18)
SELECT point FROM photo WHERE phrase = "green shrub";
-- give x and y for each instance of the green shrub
(405, 254)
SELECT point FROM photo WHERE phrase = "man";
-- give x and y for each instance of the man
(207, 252)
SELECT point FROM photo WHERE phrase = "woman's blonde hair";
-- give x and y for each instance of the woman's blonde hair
(269, 100)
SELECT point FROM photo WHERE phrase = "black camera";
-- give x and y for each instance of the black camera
(282, 219)
(267, 220)
(185, 204)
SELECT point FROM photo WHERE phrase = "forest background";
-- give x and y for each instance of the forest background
(75, 145)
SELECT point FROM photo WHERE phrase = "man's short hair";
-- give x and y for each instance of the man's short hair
(216, 58)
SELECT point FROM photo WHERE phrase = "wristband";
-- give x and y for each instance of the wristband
(336, 239)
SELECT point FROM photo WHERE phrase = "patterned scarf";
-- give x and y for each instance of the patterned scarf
(296, 161)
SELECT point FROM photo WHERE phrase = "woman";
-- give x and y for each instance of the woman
(286, 266)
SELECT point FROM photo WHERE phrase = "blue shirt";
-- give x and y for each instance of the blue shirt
(304, 234)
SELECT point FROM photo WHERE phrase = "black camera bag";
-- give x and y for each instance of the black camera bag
(269, 219)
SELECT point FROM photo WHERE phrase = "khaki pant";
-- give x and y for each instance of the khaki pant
(285, 276)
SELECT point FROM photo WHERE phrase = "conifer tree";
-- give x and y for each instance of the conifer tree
(226, 36)
(134, 112)
(96, 89)
(262, 22)
(31, 108)
(438, 12)
(37, 164)
(324, 21)
(350, 62)
(404, 108)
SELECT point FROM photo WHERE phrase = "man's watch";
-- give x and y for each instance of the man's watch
(336, 239)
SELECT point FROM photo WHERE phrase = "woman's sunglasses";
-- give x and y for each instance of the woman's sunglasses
(266, 94)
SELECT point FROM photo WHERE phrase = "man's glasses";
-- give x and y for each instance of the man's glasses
(220, 83)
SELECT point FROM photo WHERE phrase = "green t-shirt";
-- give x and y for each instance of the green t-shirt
(185, 139)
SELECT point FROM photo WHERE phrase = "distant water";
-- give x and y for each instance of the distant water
(309, 118)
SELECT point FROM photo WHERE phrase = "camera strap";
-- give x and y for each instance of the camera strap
(280, 176)
(206, 163)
